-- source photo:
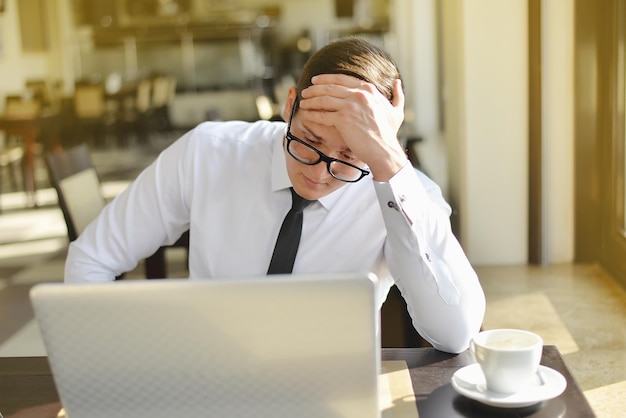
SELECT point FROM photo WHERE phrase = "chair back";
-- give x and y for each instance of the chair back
(89, 101)
(160, 91)
(78, 187)
(40, 89)
(143, 100)
(18, 107)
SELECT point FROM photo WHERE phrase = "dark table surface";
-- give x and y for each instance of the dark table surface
(27, 389)
(431, 372)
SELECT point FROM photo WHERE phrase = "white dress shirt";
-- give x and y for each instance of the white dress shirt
(227, 182)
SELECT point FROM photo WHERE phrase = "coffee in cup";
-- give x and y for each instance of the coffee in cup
(509, 358)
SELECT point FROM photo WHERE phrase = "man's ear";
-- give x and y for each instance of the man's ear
(291, 96)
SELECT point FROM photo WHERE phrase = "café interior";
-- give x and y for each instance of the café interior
(128, 77)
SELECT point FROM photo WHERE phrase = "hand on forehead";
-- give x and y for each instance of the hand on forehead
(364, 118)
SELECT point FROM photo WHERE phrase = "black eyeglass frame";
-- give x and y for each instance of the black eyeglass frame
(322, 157)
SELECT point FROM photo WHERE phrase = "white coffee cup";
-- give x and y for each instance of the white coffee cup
(509, 358)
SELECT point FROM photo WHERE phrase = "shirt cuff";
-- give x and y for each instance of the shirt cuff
(404, 193)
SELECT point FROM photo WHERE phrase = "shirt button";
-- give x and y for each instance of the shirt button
(427, 256)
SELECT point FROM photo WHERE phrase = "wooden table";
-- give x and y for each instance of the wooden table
(431, 372)
(27, 389)
(30, 130)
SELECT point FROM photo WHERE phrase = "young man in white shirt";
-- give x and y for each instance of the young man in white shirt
(229, 184)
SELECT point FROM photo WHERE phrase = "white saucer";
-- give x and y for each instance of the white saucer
(470, 381)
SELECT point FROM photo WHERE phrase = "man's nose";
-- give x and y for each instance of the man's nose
(319, 171)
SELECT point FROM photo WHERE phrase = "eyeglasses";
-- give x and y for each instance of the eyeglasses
(309, 155)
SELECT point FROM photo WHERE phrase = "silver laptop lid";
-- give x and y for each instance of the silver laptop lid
(280, 346)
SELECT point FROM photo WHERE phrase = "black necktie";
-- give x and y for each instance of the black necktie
(288, 237)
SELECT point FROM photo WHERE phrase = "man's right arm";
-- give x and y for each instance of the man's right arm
(150, 213)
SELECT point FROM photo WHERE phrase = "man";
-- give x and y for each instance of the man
(230, 184)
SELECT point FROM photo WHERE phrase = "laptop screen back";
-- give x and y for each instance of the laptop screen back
(280, 346)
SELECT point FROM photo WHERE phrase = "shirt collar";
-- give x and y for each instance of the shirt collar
(280, 178)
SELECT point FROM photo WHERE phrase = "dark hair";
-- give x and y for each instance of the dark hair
(353, 56)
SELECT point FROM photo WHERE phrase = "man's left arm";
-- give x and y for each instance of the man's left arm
(441, 289)
(426, 261)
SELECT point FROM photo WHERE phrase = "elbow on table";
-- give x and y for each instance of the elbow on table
(453, 347)
(453, 341)
(455, 338)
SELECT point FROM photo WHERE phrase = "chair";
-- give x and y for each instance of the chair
(11, 159)
(40, 89)
(12, 147)
(18, 107)
(163, 91)
(92, 116)
(78, 187)
(133, 117)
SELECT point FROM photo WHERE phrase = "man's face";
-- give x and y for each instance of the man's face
(314, 181)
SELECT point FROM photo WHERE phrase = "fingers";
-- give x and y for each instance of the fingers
(336, 85)
(340, 98)
(325, 87)
(328, 92)
(338, 79)
(323, 102)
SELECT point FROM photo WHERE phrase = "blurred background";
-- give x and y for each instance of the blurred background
(515, 108)
(490, 87)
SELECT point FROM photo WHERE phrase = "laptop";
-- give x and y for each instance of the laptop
(277, 346)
